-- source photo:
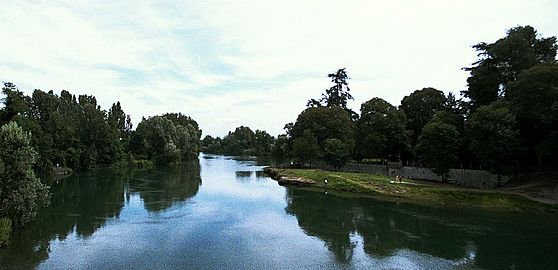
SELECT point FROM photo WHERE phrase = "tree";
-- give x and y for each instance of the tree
(240, 142)
(21, 192)
(381, 130)
(503, 61)
(325, 123)
(212, 145)
(419, 107)
(67, 132)
(119, 121)
(14, 103)
(100, 142)
(159, 139)
(336, 153)
(337, 95)
(494, 137)
(533, 99)
(437, 147)
(281, 147)
(306, 148)
(264, 142)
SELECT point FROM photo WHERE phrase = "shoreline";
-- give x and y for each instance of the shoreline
(413, 191)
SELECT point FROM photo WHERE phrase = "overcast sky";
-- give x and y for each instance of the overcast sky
(252, 63)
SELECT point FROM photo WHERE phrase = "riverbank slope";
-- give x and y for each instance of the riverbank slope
(411, 190)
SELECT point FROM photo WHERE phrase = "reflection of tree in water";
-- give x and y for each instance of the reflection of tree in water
(324, 217)
(79, 203)
(163, 187)
(384, 227)
(243, 176)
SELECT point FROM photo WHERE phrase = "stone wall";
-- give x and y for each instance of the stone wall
(469, 178)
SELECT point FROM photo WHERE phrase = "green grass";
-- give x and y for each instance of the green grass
(418, 191)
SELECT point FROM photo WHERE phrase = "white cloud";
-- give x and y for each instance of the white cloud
(253, 62)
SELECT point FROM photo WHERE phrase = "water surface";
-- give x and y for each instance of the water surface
(222, 213)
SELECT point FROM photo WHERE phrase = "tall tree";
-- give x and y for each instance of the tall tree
(281, 147)
(240, 142)
(503, 61)
(305, 148)
(325, 123)
(533, 100)
(381, 130)
(164, 141)
(494, 137)
(336, 153)
(264, 141)
(437, 147)
(337, 95)
(419, 107)
(21, 192)
(14, 103)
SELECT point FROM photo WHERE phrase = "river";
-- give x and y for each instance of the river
(224, 213)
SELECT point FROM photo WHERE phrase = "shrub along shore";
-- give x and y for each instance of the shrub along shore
(408, 190)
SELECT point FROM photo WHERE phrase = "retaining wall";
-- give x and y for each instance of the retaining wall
(469, 178)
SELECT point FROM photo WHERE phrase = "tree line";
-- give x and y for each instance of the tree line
(47, 133)
(240, 142)
(75, 132)
(505, 121)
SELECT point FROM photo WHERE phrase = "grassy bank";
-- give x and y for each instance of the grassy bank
(414, 191)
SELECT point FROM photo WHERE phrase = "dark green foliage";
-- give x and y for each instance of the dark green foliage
(336, 153)
(381, 131)
(243, 141)
(21, 192)
(240, 141)
(305, 148)
(264, 142)
(494, 137)
(5, 230)
(503, 61)
(121, 122)
(14, 101)
(67, 131)
(325, 123)
(163, 140)
(437, 147)
(419, 107)
(281, 147)
(99, 142)
(534, 102)
(337, 95)
(212, 145)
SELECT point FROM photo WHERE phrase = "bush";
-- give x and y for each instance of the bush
(5, 230)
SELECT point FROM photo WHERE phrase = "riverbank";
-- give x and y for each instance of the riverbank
(412, 190)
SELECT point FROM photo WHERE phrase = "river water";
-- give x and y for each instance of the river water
(224, 213)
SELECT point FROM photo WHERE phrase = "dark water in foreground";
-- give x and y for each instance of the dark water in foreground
(222, 213)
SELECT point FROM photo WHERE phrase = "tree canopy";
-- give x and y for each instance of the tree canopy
(241, 141)
(419, 107)
(437, 147)
(503, 61)
(21, 192)
(381, 130)
(337, 95)
(164, 140)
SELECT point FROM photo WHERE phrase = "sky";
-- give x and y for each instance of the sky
(251, 62)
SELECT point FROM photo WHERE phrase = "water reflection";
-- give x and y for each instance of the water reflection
(81, 204)
(162, 188)
(463, 237)
(239, 218)
(243, 176)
